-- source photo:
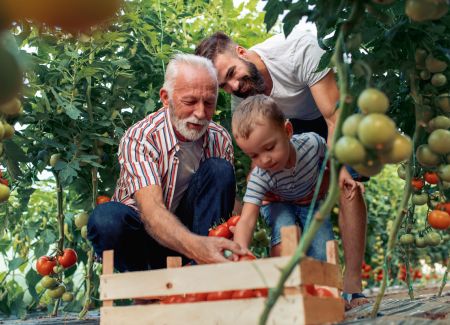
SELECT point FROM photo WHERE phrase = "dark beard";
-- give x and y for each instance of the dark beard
(254, 82)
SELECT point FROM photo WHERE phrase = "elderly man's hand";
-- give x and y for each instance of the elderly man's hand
(348, 185)
(206, 250)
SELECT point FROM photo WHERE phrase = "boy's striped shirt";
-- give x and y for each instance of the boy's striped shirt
(290, 185)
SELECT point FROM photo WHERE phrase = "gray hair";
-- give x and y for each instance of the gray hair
(192, 60)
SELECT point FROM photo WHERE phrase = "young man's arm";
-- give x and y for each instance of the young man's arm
(166, 229)
(326, 94)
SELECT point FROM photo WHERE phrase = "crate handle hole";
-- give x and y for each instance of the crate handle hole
(169, 285)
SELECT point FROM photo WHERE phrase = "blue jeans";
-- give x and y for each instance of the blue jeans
(280, 214)
(113, 225)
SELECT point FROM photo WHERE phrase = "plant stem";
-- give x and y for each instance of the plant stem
(444, 278)
(402, 210)
(89, 284)
(60, 216)
(408, 274)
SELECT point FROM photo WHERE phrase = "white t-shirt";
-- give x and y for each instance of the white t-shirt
(188, 157)
(292, 63)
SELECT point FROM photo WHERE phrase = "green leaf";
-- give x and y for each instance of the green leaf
(32, 278)
(273, 9)
(72, 111)
(15, 263)
(14, 152)
(67, 174)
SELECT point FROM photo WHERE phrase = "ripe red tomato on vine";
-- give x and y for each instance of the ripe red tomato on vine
(45, 264)
(102, 199)
(232, 222)
(417, 183)
(439, 219)
(431, 177)
(68, 259)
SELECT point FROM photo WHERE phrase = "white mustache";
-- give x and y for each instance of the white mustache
(195, 120)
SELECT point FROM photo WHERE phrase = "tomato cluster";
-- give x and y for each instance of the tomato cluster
(48, 265)
(370, 139)
(223, 230)
(415, 274)
(216, 295)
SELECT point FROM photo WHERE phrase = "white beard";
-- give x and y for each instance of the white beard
(181, 126)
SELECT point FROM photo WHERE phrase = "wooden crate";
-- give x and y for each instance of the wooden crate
(291, 308)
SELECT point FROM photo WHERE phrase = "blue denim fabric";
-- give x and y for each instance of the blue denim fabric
(356, 176)
(280, 214)
(113, 225)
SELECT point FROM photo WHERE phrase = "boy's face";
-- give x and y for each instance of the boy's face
(268, 146)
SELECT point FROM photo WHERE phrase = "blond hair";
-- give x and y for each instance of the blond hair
(249, 112)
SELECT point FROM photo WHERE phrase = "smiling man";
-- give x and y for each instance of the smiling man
(176, 178)
(286, 70)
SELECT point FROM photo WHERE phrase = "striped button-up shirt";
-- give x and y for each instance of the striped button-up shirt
(147, 156)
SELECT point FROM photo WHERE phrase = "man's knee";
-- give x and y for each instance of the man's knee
(220, 169)
(106, 220)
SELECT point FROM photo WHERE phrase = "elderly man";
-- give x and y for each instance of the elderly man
(285, 69)
(176, 178)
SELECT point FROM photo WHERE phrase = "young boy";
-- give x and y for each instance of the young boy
(285, 174)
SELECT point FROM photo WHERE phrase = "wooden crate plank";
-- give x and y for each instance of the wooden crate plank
(321, 273)
(333, 258)
(263, 273)
(323, 310)
(108, 268)
(288, 310)
(289, 240)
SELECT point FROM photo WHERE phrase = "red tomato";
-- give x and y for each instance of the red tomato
(439, 219)
(322, 292)
(194, 297)
(219, 295)
(263, 292)
(431, 177)
(248, 257)
(175, 299)
(310, 289)
(4, 181)
(365, 276)
(443, 206)
(68, 259)
(417, 183)
(221, 231)
(417, 274)
(102, 199)
(367, 268)
(243, 294)
(45, 264)
(232, 222)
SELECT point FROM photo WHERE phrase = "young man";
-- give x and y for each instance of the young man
(285, 69)
(168, 196)
(286, 170)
